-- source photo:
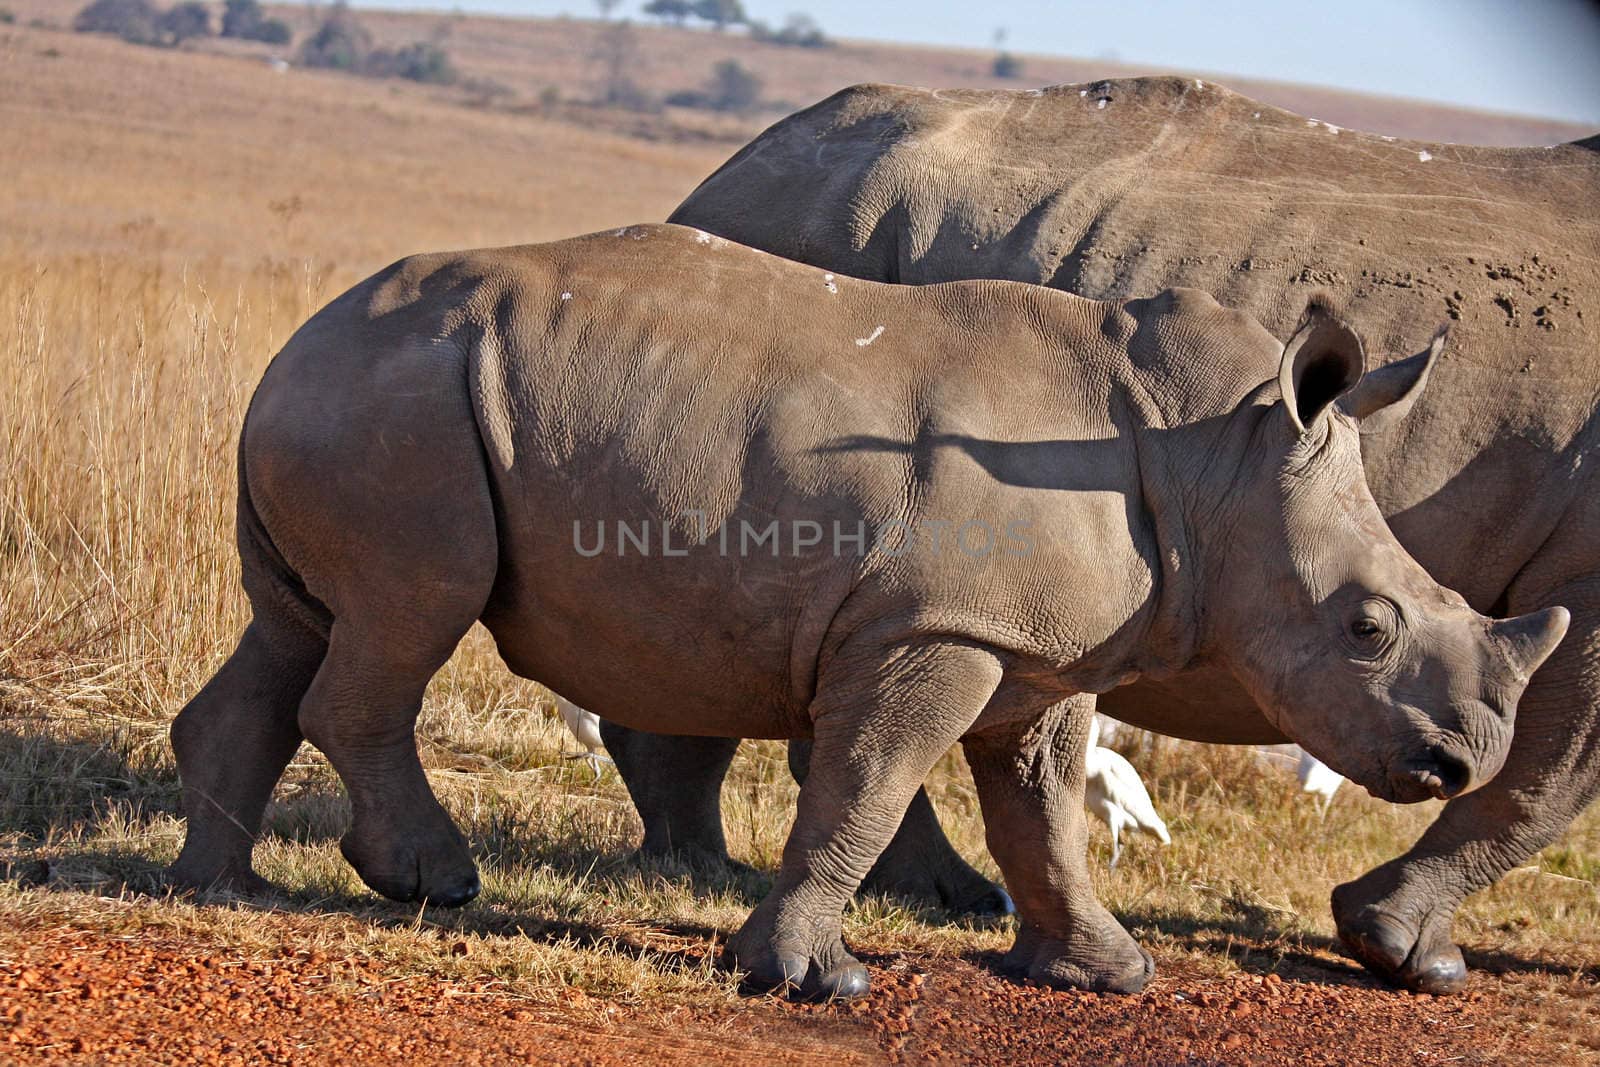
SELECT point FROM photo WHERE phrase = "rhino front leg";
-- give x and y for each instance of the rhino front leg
(920, 863)
(882, 719)
(1396, 919)
(676, 786)
(1030, 778)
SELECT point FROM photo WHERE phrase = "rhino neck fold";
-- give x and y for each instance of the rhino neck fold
(1172, 616)
(1188, 471)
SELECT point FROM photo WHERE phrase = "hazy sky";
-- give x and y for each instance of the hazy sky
(1535, 57)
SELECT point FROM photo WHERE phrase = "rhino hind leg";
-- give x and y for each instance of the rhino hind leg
(384, 514)
(876, 740)
(676, 786)
(1030, 779)
(361, 712)
(232, 743)
(920, 864)
(1396, 918)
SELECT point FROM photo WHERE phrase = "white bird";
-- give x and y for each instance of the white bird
(1319, 778)
(1115, 794)
(585, 726)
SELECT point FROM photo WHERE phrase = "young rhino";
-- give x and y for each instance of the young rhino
(699, 489)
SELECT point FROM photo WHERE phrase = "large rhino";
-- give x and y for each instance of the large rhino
(694, 486)
(1122, 188)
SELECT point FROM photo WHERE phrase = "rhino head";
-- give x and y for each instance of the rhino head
(1342, 638)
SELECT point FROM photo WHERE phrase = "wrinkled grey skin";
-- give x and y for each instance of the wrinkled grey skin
(1122, 188)
(424, 451)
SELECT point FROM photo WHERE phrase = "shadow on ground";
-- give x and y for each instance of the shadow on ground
(52, 787)
(55, 789)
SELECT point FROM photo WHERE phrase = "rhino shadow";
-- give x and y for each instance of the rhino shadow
(1254, 938)
(124, 874)
(52, 787)
(56, 791)
(1059, 465)
(1261, 946)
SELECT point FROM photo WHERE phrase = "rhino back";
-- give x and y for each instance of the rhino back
(1122, 188)
(650, 374)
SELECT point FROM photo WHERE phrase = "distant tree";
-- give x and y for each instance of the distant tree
(241, 17)
(132, 20)
(720, 13)
(1007, 65)
(799, 31)
(184, 21)
(340, 43)
(673, 11)
(245, 20)
(605, 7)
(804, 31)
(615, 55)
(421, 61)
(273, 31)
(732, 87)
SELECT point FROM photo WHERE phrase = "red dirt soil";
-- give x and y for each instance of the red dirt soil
(75, 996)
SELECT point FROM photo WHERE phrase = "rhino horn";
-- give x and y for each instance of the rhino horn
(1385, 396)
(1527, 640)
(1322, 361)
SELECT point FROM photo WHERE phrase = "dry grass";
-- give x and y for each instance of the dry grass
(173, 218)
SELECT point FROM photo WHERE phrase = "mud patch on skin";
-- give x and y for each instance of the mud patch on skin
(1536, 281)
(1507, 304)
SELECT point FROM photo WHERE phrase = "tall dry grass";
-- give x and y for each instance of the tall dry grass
(125, 388)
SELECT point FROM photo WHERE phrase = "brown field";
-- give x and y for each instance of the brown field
(168, 217)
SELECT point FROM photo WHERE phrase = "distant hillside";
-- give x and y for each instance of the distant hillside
(210, 154)
(552, 65)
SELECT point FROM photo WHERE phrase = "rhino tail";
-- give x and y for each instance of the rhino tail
(272, 584)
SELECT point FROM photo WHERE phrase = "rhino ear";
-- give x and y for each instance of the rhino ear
(1385, 396)
(1321, 362)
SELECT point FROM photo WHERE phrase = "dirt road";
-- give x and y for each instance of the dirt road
(75, 996)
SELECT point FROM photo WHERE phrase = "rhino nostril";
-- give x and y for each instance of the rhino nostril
(1445, 774)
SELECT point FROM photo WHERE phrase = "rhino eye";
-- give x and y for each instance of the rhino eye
(1371, 628)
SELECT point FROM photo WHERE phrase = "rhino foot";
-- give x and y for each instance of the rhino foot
(193, 873)
(783, 965)
(993, 903)
(1418, 955)
(921, 866)
(693, 860)
(961, 892)
(1104, 960)
(440, 871)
